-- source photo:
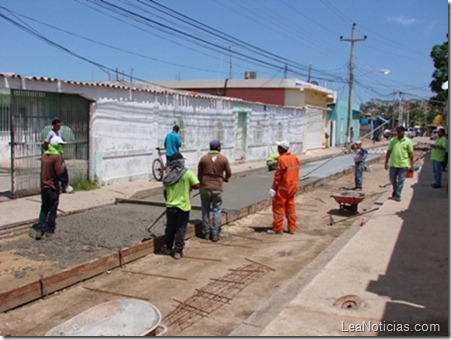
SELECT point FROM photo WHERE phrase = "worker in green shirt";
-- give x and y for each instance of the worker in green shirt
(177, 185)
(437, 157)
(399, 159)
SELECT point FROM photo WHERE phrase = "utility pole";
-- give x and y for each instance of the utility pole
(352, 40)
(400, 122)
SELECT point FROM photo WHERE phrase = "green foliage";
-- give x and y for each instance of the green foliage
(420, 111)
(440, 57)
(83, 185)
(418, 115)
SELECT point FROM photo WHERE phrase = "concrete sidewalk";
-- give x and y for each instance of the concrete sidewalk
(394, 271)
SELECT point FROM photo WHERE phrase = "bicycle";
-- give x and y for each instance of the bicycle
(158, 166)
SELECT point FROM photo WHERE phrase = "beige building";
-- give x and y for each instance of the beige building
(281, 92)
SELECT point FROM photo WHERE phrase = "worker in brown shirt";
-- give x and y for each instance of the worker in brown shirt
(213, 170)
(51, 169)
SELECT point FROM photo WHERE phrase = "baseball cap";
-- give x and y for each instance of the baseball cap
(441, 128)
(284, 144)
(358, 142)
(57, 140)
(214, 144)
(401, 128)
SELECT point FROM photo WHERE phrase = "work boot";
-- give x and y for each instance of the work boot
(49, 233)
(35, 234)
(177, 255)
(215, 238)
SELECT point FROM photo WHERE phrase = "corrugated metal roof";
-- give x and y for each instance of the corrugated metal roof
(157, 88)
(122, 85)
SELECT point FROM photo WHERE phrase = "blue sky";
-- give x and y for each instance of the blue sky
(216, 39)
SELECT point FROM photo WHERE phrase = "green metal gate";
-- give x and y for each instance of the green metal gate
(31, 115)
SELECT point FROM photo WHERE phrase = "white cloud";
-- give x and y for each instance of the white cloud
(402, 20)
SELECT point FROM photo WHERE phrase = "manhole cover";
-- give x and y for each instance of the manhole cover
(349, 302)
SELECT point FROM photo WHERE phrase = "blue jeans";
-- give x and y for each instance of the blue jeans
(437, 170)
(176, 226)
(397, 177)
(359, 169)
(211, 199)
(48, 213)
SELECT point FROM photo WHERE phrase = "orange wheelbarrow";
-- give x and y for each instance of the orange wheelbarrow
(348, 200)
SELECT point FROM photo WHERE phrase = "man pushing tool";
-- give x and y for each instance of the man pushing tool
(283, 190)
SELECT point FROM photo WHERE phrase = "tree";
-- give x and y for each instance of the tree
(440, 56)
(417, 113)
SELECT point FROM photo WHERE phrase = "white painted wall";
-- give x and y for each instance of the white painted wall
(314, 128)
(126, 126)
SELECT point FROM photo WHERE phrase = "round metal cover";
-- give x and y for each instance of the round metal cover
(123, 317)
(348, 302)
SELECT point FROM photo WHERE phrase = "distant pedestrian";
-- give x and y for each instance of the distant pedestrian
(352, 134)
(51, 169)
(56, 131)
(360, 164)
(376, 136)
(438, 156)
(177, 185)
(213, 170)
(172, 143)
(283, 190)
(272, 161)
(400, 159)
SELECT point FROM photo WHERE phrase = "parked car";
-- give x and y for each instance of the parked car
(419, 131)
(410, 133)
(434, 134)
(389, 133)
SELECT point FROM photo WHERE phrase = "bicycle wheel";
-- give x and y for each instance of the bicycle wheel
(157, 169)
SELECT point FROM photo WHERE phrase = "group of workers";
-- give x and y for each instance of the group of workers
(213, 170)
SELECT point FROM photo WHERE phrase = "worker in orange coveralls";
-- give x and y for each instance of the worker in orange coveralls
(283, 190)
